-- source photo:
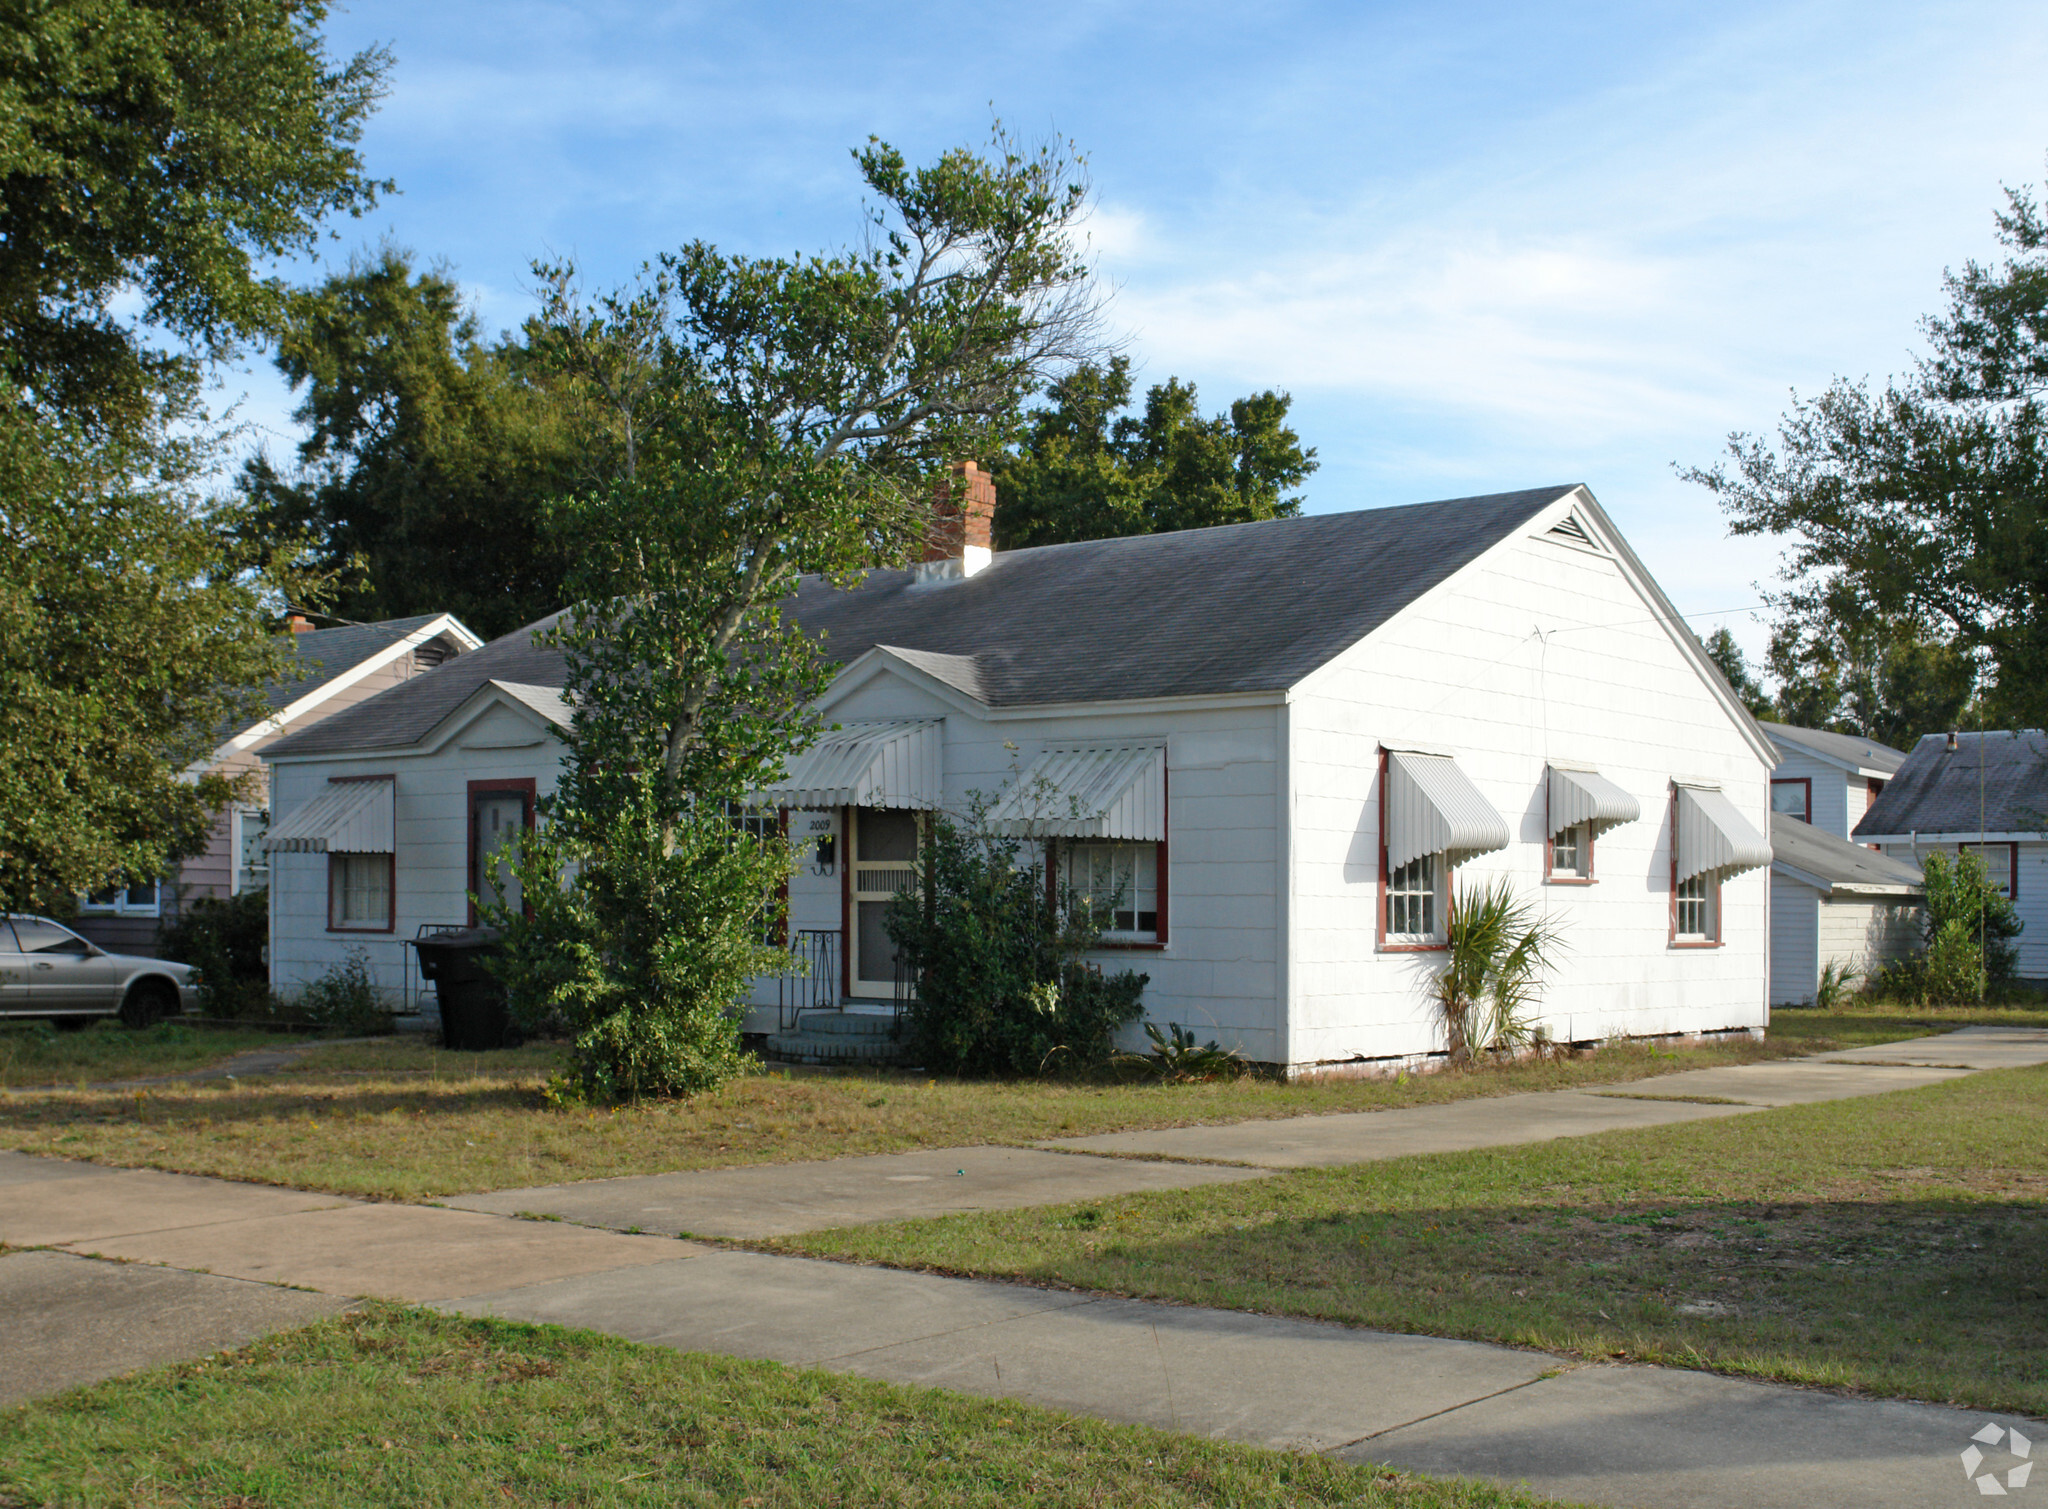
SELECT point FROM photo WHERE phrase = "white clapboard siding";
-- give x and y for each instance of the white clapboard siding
(1795, 941)
(1539, 652)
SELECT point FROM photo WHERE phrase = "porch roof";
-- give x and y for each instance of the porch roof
(1715, 838)
(1579, 794)
(898, 763)
(1433, 808)
(349, 817)
(1088, 791)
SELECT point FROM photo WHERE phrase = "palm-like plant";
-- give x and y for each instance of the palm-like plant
(1497, 951)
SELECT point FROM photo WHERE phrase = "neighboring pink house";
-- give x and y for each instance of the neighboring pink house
(345, 665)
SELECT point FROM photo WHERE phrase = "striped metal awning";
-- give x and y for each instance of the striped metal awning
(1433, 808)
(894, 764)
(1714, 838)
(349, 817)
(1578, 795)
(1088, 791)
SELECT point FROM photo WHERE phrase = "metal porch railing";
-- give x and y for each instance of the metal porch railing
(811, 983)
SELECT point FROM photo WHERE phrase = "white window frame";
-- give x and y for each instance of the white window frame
(121, 906)
(1417, 887)
(1701, 895)
(1580, 835)
(1089, 867)
(241, 877)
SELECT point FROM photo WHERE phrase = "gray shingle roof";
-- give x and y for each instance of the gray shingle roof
(1847, 866)
(328, 654)
(1995, 782)
(1238, 608)
(406, 713)
(1849, 749)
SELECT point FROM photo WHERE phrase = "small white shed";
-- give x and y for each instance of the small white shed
(1834, 902)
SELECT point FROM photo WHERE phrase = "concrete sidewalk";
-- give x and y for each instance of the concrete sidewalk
(779, 1199)
(1622, 1436)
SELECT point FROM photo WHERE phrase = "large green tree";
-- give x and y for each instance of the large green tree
(430, 451)
(164, 150)
(168, 147)
(767, 418)
(1085, 469)
(1917, 516)
(1722, 649)
(134, 629)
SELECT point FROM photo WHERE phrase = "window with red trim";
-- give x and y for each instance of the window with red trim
(2001, 866)
(1793, 797)
(1119, 882)
(362, 893)
(1571, 852)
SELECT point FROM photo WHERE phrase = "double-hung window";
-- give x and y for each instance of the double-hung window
(1119, 883)
(1413, 904)
(1711, 840)
(1571, 852)
(1699, 907)
(1432, 818)
(359, 893)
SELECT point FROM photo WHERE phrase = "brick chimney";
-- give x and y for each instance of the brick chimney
(298, 624)
(961, 539)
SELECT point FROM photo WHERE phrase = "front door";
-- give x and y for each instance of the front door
(494, 817)
(883, 849)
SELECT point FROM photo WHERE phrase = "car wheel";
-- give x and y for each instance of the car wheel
(148, 1002)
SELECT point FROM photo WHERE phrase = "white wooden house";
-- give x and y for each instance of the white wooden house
(1285, 742)
(1833, 903)
(1987, 792)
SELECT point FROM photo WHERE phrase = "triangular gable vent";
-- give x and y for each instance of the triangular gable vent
(1570, 530)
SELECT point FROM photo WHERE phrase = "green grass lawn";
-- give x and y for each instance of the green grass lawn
(403, 1407)
(1862, 1024)
(399, 1119)
(1896, 1244)
(35, 1053)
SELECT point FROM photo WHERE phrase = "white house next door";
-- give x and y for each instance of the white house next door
(882, 845)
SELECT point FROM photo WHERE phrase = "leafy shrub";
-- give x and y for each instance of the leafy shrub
(1002, 987)
(1178, 1059)
(346, 999)
(225, 939)
(1496, 952)
(1835, 987)
(1970, 930)
(643, 956)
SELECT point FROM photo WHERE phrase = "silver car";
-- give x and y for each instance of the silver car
(47, 970)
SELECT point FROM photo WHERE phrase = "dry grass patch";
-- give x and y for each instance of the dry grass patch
(402, 1120)
(403, 1407)
(1895, 1244)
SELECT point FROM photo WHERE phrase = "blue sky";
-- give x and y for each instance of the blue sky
(1484, 247)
